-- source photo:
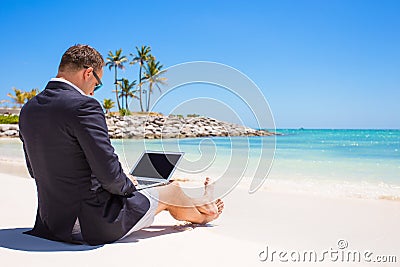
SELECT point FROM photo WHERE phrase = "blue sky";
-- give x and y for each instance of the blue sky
(320, 64)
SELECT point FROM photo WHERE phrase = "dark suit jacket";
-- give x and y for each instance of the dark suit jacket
(77, 173)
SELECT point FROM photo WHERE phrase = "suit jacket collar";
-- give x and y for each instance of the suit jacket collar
(62, 85)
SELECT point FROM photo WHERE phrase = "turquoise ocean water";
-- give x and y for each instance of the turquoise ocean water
(348, 155)
(364, 163)
(361, 163)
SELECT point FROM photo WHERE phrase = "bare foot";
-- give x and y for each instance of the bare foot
(220, 207)
(205, 204)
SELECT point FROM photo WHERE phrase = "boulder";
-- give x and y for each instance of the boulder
(11, 133)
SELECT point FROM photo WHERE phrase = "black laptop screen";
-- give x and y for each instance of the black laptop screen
(155, 165)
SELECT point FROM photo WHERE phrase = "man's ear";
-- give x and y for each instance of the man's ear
(87, 72)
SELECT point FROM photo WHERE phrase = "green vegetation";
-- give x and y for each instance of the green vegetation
(141, 57)
(151, 113)
(124, 112)
(127, 91)
(192, 115)
(116, 61)
(9, 119)
(150, 71)
(20, 97)
(108, 104)
(152, 77)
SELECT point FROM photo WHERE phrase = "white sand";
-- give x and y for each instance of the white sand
(282, 221)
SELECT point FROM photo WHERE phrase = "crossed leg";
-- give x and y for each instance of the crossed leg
(183, 208)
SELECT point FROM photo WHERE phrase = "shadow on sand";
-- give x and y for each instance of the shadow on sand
(15, 239)
(159, 230)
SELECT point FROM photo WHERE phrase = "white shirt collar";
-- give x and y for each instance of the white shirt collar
(68, 82)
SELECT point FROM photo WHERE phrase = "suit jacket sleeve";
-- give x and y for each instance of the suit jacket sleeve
(28, 163)
(91, 131)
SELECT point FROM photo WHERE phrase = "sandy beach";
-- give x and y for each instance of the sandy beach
(290, 107)
(270, 227)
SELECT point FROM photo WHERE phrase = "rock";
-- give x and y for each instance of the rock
(112, 128)
(153, 127)
(11, 133)
(159, 122)
(150, 127)
(170, 135)
(121, 123)
(4, 127)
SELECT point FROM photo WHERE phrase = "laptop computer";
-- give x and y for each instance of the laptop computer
(155, 168)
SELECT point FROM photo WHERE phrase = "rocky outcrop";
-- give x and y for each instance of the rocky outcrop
(154, 127)
(9, 130)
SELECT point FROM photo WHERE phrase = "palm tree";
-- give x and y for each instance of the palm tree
(116, 61)
(31, 94)
(108, 104)
(152, 77)
(3, 101)
(126, 91)
(19, 96)
(142, 55)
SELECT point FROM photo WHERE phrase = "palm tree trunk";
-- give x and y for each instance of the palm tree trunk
(126, 102)
(149, 93)
(116, 88)
(123, 101)
(140, 88)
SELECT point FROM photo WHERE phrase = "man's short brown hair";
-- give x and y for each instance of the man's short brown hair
(80, 56)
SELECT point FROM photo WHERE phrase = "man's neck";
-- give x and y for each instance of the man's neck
(72, 77)
(62, 79)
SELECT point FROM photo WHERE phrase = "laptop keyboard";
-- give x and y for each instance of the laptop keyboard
(144, 182)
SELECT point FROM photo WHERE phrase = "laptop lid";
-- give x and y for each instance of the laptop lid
(156, 165)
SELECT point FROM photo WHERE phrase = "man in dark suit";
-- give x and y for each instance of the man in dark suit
(80, 182)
